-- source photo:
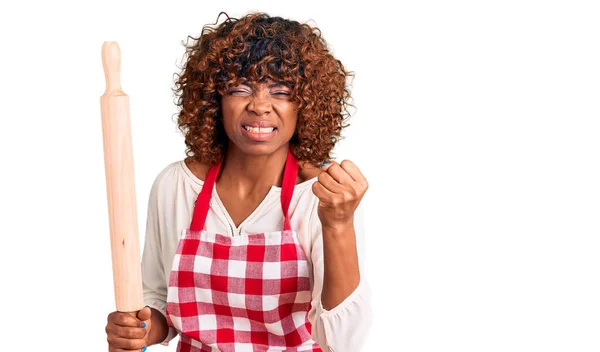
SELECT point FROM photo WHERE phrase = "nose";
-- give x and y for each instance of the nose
(260, 104)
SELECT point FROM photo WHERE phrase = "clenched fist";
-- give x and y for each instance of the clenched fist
(340, 188)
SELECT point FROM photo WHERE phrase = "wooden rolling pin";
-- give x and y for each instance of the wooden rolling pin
(120, 185)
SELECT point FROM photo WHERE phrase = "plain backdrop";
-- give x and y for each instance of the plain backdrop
(477, 125)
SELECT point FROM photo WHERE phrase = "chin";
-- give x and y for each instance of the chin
(259, 149)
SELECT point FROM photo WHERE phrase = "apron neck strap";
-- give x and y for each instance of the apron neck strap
(287, 191)
(203, 200)
(287, 187)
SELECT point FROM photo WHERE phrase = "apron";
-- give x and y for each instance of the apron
(241, 293)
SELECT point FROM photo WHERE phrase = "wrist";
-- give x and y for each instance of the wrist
(339, 227)
(159, 329)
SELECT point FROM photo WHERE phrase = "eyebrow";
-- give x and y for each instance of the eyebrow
(278, 84)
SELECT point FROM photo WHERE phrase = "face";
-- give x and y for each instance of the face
(259, 118)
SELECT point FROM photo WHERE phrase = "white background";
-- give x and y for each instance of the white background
(477, 125)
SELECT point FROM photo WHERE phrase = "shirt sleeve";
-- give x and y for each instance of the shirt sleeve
(346, 326)
(154, 281)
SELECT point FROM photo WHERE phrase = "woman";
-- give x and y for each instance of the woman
(250, 241)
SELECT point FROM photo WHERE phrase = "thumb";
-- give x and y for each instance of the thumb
(144, 313)
(325, 165)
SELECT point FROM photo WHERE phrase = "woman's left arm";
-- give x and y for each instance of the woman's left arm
(341, 297)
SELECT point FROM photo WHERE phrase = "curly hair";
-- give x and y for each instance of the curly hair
(255, 48)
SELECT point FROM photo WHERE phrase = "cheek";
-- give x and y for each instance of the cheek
(229, 112)
(289, 119)
(294, 121)
(289, 113)
(294, 116)
(226, 107)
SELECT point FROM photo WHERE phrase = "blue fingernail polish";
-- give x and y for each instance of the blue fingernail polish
(143, 325)
(326, 163)
(144, 349)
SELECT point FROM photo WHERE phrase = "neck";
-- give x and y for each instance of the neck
(248, 172)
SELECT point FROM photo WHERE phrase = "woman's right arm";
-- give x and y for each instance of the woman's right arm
(125, 331)
(153, 273)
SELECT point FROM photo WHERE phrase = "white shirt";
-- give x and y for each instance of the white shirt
(170, 208)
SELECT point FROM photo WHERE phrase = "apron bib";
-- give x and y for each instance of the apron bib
(241, 293)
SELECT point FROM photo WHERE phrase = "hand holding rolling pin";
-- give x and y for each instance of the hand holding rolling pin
(128, 333)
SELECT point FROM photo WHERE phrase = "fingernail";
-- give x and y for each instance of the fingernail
(143, 325)
(144, 349)
(326, 163)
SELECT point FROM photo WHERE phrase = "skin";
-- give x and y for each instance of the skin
(249, 170)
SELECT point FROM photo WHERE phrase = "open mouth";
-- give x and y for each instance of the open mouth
(259, 133)
(259, 129)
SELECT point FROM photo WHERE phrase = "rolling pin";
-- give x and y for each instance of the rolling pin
(120, 185)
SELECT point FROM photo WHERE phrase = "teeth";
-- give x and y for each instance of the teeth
(259, 129)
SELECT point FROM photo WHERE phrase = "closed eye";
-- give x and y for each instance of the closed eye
(239, 92)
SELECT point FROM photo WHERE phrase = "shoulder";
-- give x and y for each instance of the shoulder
(197, 169)
(175, 174)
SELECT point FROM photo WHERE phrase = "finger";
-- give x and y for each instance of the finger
(321, 192)
(120, 343)
(353, 171)
(127, 332)
(338, 174)
(144, 313)
(124, 319)
(130, 333)
(326, 165)
(328, 182)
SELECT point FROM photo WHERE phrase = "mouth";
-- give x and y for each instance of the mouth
(259, 133)
(259, 129)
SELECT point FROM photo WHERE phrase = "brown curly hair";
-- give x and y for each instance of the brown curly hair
(255, 48)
